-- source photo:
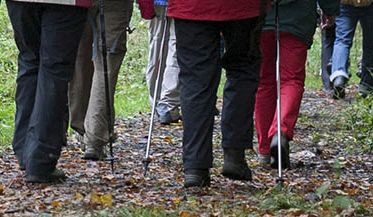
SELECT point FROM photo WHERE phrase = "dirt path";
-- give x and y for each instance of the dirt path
(327, 178)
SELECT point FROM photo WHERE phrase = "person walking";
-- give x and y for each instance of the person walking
(168, 104)
(87, 101)
(351, 12)
(297, 21)
(47, 34)
(327, 43)
(198, 25)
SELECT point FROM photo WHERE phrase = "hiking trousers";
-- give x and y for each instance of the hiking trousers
(47, 37)
(198, 52)
(169, 89)
(293, 54)
(87, 99)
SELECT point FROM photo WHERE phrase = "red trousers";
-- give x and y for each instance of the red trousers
(293, 54)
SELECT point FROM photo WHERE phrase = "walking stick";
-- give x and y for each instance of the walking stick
(158, 67)
(278, 82)
(107, 88)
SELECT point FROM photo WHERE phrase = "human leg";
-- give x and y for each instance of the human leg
(80, 85)
(265, 104)
(366, 21)
(60, 34)
(169, 101)
(26, 25)
(199, 60)
(327, 42)
(241, 61)
(293, 54)
(117, 14)
(346, 23)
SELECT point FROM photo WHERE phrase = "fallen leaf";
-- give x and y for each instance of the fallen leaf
(2, 188)
(78, 196)
(95, 199)
(56, 204)
(107, 200)
(168, 139)
(185, 213)
(177, 200)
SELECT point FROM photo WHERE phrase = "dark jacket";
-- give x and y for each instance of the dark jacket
(214, 10)
(299, 17)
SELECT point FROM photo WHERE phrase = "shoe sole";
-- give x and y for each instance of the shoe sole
(39, 179)
(93, 157)
(230, 171)
(200, 183)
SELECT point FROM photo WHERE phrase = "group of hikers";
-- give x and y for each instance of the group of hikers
(61, 80)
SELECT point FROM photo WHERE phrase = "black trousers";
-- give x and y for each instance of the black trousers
(47, 37)
(327, 43)
(198, 47)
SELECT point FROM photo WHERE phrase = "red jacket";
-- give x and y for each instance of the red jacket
(213, 10)
(78, 3)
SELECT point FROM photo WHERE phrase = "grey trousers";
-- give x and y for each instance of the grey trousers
(169, 93)
(87, 101)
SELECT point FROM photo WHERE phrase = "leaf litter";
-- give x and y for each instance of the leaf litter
(324, 179)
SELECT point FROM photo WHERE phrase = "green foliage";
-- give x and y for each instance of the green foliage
(8, 65)
(132, 93)
(358, 120)
(280, 199)
(142, 212)
(323, 190)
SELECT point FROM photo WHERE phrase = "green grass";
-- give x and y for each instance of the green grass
(8, 65)
(132, 95)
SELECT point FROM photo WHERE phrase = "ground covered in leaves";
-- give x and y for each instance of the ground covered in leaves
(329, 176)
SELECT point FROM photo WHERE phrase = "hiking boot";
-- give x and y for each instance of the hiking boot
(167, 119)
(366, 83)
(56, 176)
(285, 160)
(196, 178)
(235, 166)
(264, 159)
(339, 84)
(94, 152)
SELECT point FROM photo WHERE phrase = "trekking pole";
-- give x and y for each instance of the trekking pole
(158, 67)
(278, 82)
(106, 78)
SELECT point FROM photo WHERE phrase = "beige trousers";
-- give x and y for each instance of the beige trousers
(87, 100)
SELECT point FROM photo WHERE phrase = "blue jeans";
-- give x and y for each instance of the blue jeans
(346, 24)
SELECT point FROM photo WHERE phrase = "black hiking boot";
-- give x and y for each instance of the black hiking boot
(235, 166)
(285, 160)
(197, 178)
(366, 83)
(56, 176)
(339, 84)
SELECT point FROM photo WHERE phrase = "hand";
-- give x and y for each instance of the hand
(327, 21)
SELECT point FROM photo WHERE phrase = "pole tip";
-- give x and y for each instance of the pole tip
(146, 166)
(280, 182)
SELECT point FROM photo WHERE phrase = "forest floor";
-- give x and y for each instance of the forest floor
(328, 176)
